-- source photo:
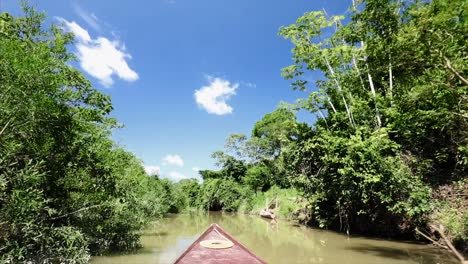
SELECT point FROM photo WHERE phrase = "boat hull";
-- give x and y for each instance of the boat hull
(235, 253)
(267, 214)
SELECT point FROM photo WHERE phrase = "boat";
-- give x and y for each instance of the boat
(216, 246)
(270, 208)
(267, 214)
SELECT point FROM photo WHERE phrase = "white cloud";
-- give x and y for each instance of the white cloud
(196, 169)
(101, 57)
(90, 18)
(214, 96)
(104, 58)
(249, 84)
(81, 35)
(176, 176)
(174, 160)
(152, 170)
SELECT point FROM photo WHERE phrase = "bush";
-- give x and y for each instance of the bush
(358, 183)
(222, 194)
(257, 177)
(27, 235)
(188, 191)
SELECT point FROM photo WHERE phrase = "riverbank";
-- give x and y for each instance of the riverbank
(290, 204)
(285, 203)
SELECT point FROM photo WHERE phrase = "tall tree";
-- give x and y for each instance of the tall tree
(392, 109)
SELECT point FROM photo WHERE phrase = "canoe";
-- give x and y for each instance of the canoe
(216, 246)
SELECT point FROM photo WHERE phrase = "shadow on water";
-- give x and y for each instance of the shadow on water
(424, 255)
(385, 252)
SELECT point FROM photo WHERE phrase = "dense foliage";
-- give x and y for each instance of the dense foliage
(392, 111)
(66, 190)
(222, 194)
(388, 152)
(392, 120)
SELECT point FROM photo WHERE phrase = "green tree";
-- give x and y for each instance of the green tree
(392, 110)
(209, 174)
(190, 189)
(222, 194)
(258, 177)
(231, 167)
(66, 189)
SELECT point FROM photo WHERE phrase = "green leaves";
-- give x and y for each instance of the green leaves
(222, 194)
(391, 110)
(359, 176)
(66, 189)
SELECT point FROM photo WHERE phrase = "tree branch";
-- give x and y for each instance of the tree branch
(440, 230)
(331, 104)
(77, 211)
(430, 239)
(359, 72)
(462, 115)
(449, 66)
(332, 74)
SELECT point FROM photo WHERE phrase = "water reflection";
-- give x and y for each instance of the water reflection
(283, 242)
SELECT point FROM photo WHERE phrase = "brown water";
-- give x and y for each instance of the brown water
(286, 243)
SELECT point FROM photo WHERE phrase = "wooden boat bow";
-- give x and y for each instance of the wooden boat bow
(216, 246)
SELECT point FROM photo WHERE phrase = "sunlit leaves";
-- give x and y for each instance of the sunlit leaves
(391, 105)
(66, 189)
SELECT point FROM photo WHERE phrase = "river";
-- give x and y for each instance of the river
(164, 240)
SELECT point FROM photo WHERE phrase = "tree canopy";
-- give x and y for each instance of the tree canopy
(392, 110)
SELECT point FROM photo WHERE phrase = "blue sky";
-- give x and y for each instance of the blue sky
(183, 74)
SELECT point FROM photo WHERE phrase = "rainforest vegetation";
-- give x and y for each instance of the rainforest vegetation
(387, 153)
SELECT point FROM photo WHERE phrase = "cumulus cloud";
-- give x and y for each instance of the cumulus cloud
(101, 58)
(174, 160)
(213, 97)
(152, 170)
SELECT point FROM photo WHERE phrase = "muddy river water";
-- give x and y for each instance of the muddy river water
(164, 240)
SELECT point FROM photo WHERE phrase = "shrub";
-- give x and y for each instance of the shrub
(358, 183)
(222, 194)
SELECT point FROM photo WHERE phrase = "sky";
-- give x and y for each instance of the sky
(183, 74)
